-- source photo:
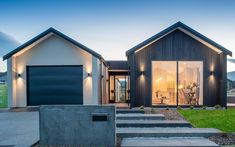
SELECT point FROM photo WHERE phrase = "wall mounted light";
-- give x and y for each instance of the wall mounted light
(141, 73)
(102, 76)
(18, 75)
(212, 73)
(89, 74)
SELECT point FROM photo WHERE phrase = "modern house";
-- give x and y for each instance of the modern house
(177, 66)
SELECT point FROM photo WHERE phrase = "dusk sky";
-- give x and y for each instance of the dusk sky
(112, 27)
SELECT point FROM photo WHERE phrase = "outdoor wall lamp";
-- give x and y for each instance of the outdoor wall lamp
(102, 76)
(89, 74)
(212, 73)
(141, 73)
(18, 75)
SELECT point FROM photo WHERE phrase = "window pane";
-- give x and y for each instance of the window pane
(164, 83)
(190, 83)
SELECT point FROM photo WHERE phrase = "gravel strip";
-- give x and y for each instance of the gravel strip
(171, 114)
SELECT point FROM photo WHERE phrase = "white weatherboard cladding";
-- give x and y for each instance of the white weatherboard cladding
(52, 51)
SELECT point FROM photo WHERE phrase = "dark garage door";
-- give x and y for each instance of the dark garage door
(54, 85)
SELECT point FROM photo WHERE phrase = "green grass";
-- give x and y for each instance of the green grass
(3, 96)
(223, 120)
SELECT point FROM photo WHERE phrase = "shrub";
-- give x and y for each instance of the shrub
(204, 107)
(191, 107)
(179, 108)
(142, 107)
(217, 107)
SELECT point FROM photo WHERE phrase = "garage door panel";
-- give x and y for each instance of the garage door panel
(54, 85)
(55, 90)
(52, 80)
(58, 70)
(49, 100)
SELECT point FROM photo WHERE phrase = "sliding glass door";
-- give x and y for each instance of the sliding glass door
(168, 76)
(190, 83)
(164, 83)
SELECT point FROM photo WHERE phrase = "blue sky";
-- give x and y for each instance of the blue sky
(112, 27)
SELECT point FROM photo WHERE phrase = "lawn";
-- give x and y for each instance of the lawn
(223, 120)
(3, 96)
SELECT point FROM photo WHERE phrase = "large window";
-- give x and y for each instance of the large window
(190, 83)
(165, 84)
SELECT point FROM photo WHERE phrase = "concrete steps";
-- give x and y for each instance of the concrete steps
(128, 111)
(152, 123)
(166, 132)
(152, 130)
(167, 142)
(140, 116)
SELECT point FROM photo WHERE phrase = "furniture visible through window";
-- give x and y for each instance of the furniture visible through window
(168, 76)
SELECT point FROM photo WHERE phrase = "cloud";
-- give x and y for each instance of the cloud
(7, 44)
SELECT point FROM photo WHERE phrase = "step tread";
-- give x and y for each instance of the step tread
(134, 115)
(152, 122)
(166, 130)
(130, 111)
(167, 141)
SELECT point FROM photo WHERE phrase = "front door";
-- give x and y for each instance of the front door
(119, 88)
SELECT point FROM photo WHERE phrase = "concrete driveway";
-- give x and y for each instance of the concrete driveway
(19, 128)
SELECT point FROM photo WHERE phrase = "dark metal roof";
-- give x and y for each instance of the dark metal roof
(117, 65)
(173, 27)
(52, 30)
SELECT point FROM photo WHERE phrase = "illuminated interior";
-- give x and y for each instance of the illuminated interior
(119, 87)
(164, 83)
(190, 83)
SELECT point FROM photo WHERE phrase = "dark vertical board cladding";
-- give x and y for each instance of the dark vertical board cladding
(178, 46)
(48, 85)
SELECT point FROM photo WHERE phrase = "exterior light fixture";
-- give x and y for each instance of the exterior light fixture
(89, 74)
(18, 75)
(141, 73)
(212, 73)
(102, 76)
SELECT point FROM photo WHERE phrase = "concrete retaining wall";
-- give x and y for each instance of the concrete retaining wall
(77, 125)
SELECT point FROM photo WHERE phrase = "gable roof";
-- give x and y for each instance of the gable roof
(54, 31)
(184, 28)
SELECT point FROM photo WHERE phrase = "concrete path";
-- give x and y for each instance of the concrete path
(19, 128)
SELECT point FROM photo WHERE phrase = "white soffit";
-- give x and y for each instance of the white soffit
(188, 33)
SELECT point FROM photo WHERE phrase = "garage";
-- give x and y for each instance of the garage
(51, 85)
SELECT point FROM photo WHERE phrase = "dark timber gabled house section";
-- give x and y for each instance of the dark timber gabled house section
(178, 66)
